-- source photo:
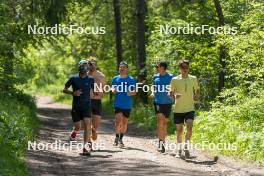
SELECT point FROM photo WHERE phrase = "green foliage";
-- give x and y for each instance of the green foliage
(17, 126)
(145, 117)
(240, 125)
(42, 64)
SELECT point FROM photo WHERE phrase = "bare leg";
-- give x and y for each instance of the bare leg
(179, 128)
(124, 125)
(161, 126)
(96, 120)
(118, 122)
(87, 130)
(189, 125)
(77, 126)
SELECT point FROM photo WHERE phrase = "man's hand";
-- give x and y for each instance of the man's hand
(131, 93)
(171, 94)
(196, 97)
(178, 95)
(114, 91)
(95, 93)
(77, 93)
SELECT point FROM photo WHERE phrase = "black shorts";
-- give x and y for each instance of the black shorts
(125, 112)
(80, 113)
(165, 109)
(96, 106)
(181, 117)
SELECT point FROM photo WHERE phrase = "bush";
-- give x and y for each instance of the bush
(144, 116)
(17, 124)
(240, 125)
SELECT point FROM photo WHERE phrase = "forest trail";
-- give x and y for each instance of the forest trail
(139, 157)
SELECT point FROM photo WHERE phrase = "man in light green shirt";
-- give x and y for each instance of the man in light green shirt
(185, 90)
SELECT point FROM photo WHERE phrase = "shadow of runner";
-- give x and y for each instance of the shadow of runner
(108, 151)
(51, 163)
(209, 163)
(56, 123)
(132, 148)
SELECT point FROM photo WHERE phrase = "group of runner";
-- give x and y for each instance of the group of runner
(87, 103)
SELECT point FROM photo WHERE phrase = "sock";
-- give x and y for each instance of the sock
(179, 146)
(161, 142)
(187, 145)
(121, 136)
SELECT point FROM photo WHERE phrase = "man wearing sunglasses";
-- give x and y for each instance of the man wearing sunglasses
(185, 90)
(162, 101)
(81, 84)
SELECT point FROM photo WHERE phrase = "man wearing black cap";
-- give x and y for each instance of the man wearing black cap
(81, 105)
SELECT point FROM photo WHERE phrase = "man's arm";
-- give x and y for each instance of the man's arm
(173, 93)
(93, 87)
(132, 92)
(196, 95)
(103, 83)
(67, 86)
(113, 86)
(196, 87)
(67, 91)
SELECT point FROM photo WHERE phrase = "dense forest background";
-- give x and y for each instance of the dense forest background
(230, 68)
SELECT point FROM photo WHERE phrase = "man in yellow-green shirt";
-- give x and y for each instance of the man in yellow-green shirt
(185, 90)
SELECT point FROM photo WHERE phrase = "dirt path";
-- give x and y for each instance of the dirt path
(138, 158)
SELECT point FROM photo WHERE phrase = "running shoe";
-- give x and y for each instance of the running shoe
(187, 154)
(121, 144)
(86, 152)
(186, 151)
(179, 154)
(161, 147)
(116, 141)
(73, 136)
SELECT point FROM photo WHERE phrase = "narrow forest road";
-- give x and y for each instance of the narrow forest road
(138, 158)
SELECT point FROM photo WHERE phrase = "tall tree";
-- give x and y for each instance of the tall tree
(222, 49)
(141, 9)
(118, 36)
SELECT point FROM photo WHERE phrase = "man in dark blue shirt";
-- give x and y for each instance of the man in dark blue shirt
(81, 85)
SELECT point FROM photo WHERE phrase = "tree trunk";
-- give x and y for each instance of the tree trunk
(222, 49)
(141, 9)
(118, 36)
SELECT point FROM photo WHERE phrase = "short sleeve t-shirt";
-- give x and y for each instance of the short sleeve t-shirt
(84, 85)
(186, 87)
(160, 84)
(122, 85)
